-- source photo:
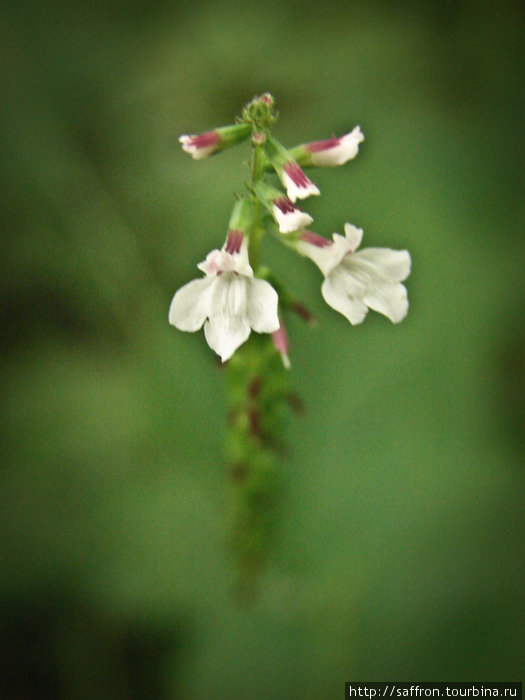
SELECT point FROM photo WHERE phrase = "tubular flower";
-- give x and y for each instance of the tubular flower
(298, 186)
(335, 151)
(288, 217)
(355, 282)
(229, 301)
(202, 145)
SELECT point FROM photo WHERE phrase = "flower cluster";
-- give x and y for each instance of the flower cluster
(236, 296)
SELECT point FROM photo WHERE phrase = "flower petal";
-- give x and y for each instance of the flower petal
(336, 151)
(393, 265)
(229, 295)
(290, 218)
(389, 300)
(327, 255)
(298, 186)
(353, 236)
(225, 333)
(212, 264)
(377, 271)
(191, 304)
(219, 261)
(336, 295)
(261, 308)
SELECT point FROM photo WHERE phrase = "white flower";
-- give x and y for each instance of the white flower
(355, 282)
(288, 216)
(298, 186)
(229, 301)
(336, 151)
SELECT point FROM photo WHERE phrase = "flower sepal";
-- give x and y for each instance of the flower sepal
(242, 216)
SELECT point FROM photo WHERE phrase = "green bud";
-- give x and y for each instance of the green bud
(260, 112)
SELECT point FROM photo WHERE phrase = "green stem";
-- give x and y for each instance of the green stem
(256, 167)
(256, 171)
(258, 400)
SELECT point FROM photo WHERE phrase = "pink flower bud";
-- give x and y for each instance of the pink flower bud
(288, 216)
(201, 145)
(335, 151)
(297, 184)
(210, 142)
(280, 341)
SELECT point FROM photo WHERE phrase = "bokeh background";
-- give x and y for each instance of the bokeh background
(400, 553)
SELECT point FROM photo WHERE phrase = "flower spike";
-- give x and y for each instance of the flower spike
(355, 282)
(237, 293)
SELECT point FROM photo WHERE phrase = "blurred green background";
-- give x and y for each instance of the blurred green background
(401, 550)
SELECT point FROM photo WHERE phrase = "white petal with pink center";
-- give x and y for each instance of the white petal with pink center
(355, 282)
(229, 301)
